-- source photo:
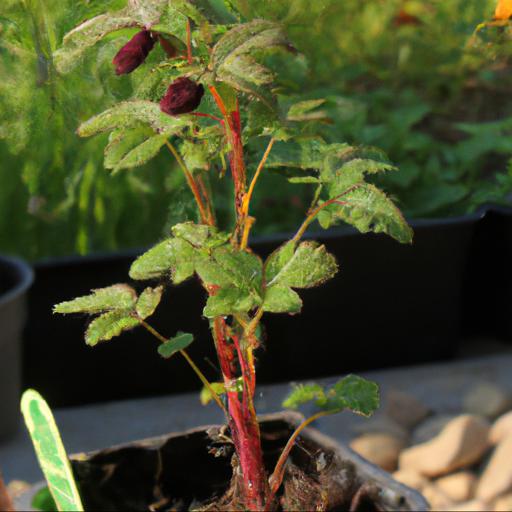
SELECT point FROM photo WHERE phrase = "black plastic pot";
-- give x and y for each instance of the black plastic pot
(389, 305)
(15, 279)
(180, 471)
(488, 287)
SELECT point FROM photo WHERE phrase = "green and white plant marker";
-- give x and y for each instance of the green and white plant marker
(50, 451)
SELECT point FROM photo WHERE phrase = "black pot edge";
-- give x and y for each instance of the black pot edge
(276, 237)
(25, 275)
(372, 472)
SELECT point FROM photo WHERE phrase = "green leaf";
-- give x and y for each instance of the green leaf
(174, 257)
(50, 451)
(303, 394)
(130, 113)
(156, 262)
(352, 393)
(141, 153)
(281, 299)
(298, 110)
(116, 297)
(304, 179)
(368, 209)
(228, 301)
(181, 341)
(87, 34)
(108, 325)
(43, 500)
(148, 301)
(305, 154)
(304, 266)
(244, 268)
(233, 61)
(80, 39)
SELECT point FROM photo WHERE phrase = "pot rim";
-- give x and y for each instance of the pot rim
(23, 274)
(365, 468)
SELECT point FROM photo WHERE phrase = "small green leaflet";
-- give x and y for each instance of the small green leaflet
(120, 310)
(354, 393)
(50, 451)
(181, 341)
(118, 296)
(295, 266)
(148, 301)
(108, 325)
(131, 113)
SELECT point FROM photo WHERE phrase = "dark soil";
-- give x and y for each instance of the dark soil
(194, 471)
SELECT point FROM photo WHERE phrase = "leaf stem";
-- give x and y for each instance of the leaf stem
(313, 213)
(194, 367)
(249, 221)
(191, 182)
(276, 478)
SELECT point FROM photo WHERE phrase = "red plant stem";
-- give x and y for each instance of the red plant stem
(236, 157)
(243, 423)
(209, 209)
(276, 478)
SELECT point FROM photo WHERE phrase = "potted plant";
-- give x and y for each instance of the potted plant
(15, 279)
(210, 103)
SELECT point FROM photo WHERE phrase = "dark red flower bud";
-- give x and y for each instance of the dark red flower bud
(182, 96)
(133, 53)
(404, 18)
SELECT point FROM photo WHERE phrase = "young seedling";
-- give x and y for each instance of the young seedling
(208, 99)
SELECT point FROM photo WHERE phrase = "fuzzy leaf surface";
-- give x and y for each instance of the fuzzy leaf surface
(303, 266)
(148, 301)
(230, 300)
(108, 325)
(281, 299)
(352, 393)
(118, 296)
(129, 113)
(368, 209)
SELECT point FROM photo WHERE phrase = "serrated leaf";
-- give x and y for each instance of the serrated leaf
(228, 301)
(148, 301)
(121, 141)
(156, 262)
(305, 154)
(281, 299)
(232, 58)
(244, 268)
(80, 39)
(181, 341)
(118, 296)
(352, 393)
(195, 234)
(50, 452)
(130, 113)
(108, 325)
(174, 257)
(368, 209)
(304, 266)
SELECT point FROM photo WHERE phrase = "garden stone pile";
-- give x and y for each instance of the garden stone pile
(459, 462)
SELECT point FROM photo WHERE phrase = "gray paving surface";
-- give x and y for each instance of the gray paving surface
(440, 386)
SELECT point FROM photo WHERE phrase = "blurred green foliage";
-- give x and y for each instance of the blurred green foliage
(55, 196)
(423, 87)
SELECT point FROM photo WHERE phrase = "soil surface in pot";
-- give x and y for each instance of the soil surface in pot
(194, 471)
